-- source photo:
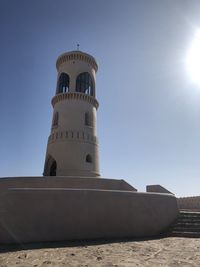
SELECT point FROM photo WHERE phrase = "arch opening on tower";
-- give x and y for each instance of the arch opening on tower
(88, 119)
(55, 119)
(89, 158)
(53, 168)
(84, 84)
(63, 83)
(50, 166)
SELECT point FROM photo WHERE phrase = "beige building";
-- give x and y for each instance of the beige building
(72, 148)
(31, 208)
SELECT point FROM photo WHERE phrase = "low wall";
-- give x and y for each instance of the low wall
(64, 182)
(53, 214)
(157, 189)
(190, 203)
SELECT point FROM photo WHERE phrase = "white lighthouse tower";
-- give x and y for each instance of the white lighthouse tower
(72, 148)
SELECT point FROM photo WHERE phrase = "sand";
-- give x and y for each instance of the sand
(169, 251)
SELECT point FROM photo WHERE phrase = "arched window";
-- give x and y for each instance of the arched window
(89, 158)
(50, 166)
(88, 121)
(53, 168)
(84, 84)
(55, 119)
(63, 83)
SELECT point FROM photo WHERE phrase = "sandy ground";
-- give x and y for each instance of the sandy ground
(158, 252)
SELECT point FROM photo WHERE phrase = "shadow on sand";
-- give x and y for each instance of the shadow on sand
(81, 243)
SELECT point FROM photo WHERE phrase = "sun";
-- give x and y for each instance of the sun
(193, 59)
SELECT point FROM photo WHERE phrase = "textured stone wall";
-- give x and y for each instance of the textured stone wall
(191, 203)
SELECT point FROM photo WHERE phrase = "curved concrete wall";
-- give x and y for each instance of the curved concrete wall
(44, 214)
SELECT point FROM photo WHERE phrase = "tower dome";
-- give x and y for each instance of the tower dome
(72, 148)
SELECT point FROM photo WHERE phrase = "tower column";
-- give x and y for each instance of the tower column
(72, 148)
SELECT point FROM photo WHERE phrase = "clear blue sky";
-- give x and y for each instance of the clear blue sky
(149, 115)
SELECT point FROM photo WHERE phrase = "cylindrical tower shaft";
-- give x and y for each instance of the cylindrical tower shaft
(72, 148)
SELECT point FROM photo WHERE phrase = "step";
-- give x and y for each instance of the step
(189, 211)
(189, 216)
(185, 229)
(192, 218)
(188, 225)
(185, 234)
(188, 220)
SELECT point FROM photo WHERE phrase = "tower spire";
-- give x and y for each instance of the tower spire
(78, 45)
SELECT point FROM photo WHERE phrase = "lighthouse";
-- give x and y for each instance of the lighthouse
(72, 148)
(31, 208)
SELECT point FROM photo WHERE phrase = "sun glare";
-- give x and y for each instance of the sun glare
(193, 59)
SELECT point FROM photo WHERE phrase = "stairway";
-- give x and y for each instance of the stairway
(186, 225)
